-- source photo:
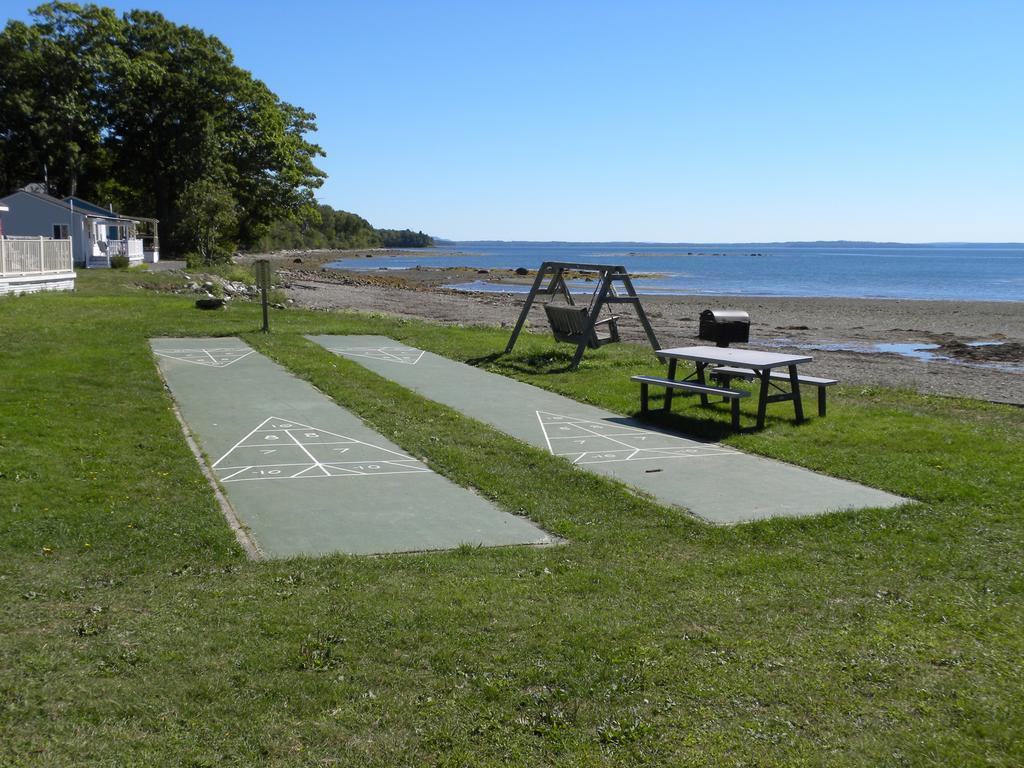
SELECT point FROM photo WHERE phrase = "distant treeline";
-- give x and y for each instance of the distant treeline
(404, 238)
(337, 229)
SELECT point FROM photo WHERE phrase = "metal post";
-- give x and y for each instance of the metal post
(266, 317)
(263, 281)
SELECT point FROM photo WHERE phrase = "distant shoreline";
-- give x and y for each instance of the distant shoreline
(511, 289)
(739, 244)
(849, 328)
(877, 273)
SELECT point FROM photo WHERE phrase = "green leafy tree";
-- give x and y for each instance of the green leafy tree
(51, 85)
(404, 238)
(329, 228)
(209, 221)
(146, 107)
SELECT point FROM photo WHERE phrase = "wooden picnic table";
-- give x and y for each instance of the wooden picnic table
(761, 363)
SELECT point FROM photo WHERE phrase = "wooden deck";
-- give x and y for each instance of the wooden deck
(34, 264)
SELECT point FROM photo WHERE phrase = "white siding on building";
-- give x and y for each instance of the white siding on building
(33, 216)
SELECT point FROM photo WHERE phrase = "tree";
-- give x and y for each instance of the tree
(326, 227)
(51, 84)
(209, 220)
(404, 238)
(143, 107)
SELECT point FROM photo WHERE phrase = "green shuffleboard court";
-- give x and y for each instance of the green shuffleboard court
(716, 483)
(306, 477)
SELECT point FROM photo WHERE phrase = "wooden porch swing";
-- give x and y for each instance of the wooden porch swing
(580, 325)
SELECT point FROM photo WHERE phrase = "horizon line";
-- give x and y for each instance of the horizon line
(1014, 243)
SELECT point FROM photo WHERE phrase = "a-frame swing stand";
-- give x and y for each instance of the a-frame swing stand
(612, 280)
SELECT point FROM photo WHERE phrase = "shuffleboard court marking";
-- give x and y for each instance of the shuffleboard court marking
(590, 441)
(216, 357)
(283, 449)
(722, 485)
(405, 355)
(342, 486)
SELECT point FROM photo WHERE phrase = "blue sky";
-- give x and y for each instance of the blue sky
(676, 121)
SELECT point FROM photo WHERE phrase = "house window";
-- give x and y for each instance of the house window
(113, 233)
(60, 231)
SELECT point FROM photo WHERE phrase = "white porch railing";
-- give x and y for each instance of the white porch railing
(34, 256)
(131, 248)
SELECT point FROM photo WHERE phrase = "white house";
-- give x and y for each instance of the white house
(31, 264)
(96, 233)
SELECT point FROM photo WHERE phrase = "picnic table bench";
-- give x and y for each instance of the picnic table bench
(735, 363)
(704, 390)
(725, 373)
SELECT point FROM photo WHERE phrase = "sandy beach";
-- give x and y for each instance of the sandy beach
(788, 324)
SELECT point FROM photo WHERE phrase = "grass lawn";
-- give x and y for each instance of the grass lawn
(133, 631)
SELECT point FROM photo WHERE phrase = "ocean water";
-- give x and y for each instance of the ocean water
(960, 271)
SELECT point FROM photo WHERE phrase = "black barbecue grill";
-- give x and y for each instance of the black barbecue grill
(724, 326)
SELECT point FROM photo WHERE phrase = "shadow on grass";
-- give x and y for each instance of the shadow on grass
(484, 360)
(534, 363)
